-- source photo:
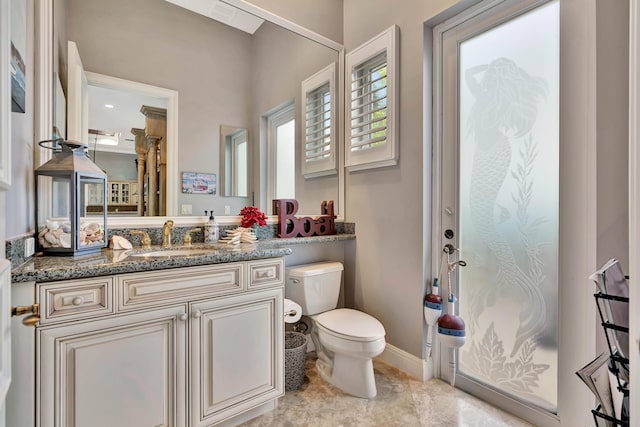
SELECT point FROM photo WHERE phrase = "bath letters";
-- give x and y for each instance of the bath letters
(291, 226)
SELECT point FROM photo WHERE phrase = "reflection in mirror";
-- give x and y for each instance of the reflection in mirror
(118, 144)
(222, 75)
(234, 164)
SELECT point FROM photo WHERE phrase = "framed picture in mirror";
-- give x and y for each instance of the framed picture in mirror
(198, 183)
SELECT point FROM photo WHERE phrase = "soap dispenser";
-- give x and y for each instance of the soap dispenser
(211, 229)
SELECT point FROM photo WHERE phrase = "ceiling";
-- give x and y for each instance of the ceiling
(118, 120)
(222, 12)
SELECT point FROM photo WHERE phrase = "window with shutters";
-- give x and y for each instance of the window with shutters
(319, 130)
(372, 139)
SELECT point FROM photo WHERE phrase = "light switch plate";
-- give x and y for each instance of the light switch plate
(227, 210)
(29, 247)
(187, 209)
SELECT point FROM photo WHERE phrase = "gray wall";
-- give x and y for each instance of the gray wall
(275, 85)
(158, 43)
(119, 166)
(389, 262)
(20, 218)
(612, 44)
(223, 76)
(387, 203)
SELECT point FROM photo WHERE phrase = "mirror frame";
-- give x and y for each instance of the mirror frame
(43, 122)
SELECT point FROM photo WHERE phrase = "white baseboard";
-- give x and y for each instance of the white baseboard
(407, 363)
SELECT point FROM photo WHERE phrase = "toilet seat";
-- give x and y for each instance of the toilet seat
(350, 325)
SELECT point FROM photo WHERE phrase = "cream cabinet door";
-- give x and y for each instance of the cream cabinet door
(126, 371)
(236, 357)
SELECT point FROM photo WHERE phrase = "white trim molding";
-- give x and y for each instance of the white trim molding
(5, 97)
(634, 204)
(373, 140)
(411, 365)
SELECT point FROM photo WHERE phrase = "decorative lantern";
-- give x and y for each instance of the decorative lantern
(76, 214)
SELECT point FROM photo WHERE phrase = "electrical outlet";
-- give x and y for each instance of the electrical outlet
(187, 209)
(29, 247)
(227, 210)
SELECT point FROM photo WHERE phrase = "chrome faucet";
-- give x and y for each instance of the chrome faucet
(166, 233)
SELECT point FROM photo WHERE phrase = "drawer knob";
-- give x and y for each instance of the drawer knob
(197, 314)
(183, 317)
(265, 274)
(77, 301)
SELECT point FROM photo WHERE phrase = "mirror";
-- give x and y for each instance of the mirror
(221, 75)
(234, 161)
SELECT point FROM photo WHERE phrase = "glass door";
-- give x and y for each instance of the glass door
(499, 187)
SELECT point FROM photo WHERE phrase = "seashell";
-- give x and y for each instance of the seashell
(119, 242)
(52, 225)
(52, 239)
(65, 240)
(43, 231)
(92, 229)
(66, 227)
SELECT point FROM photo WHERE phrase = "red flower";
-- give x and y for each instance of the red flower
(251, 215)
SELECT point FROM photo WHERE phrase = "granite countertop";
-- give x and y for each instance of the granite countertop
(108, 261)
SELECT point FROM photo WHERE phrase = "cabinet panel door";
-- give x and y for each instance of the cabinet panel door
(236, 355)
(124, 371)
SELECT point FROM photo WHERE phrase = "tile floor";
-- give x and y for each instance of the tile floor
(401, 401)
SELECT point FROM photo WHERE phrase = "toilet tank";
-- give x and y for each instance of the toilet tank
(316, 287)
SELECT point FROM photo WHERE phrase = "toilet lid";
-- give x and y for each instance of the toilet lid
(351, 323)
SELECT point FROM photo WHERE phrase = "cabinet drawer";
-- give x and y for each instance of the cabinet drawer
(265, 273)
(137, 290)
(75, 299)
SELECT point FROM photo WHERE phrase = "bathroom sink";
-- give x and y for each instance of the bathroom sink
(172, 252)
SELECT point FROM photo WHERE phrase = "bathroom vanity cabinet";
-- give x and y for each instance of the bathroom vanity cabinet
(190, 346)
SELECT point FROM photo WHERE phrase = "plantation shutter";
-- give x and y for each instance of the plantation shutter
(319, 129)
(371, 130)
(369, 103)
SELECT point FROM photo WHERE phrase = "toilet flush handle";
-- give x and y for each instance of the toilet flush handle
(296, 281)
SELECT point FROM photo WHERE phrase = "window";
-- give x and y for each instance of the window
(318, 112)
(281, 146)
(371, 129)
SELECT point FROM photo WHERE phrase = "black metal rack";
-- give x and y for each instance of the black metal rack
(618, 364)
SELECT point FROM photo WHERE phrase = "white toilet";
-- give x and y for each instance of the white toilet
(345, 340)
